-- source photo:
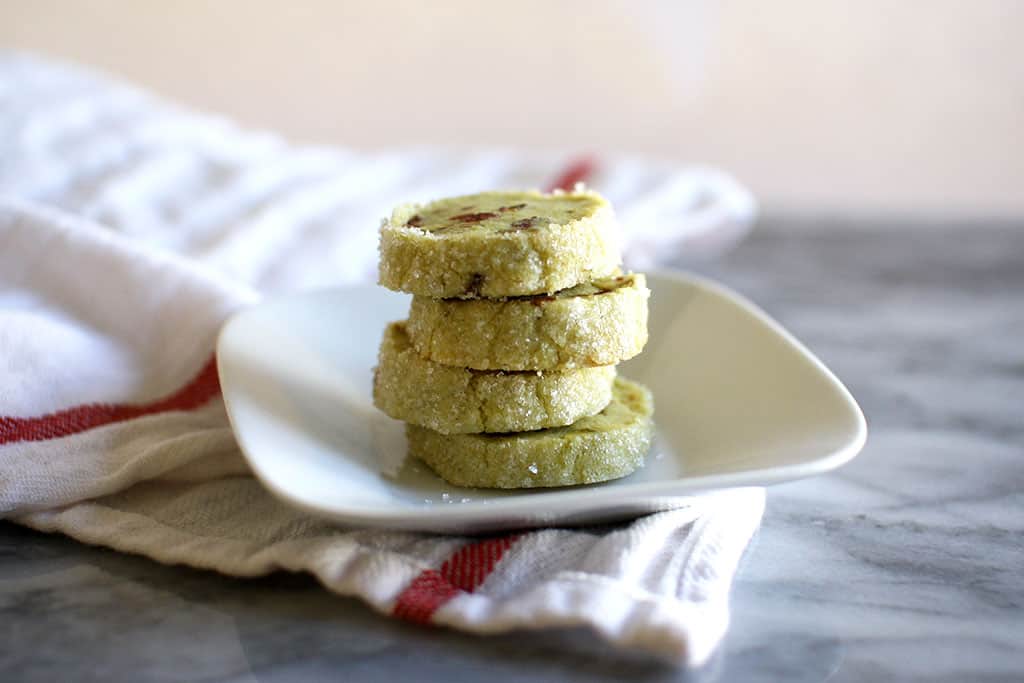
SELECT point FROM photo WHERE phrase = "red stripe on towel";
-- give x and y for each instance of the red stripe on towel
(463, 572)
(577, 172)
(197, 392)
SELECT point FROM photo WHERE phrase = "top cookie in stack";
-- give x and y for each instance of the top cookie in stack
(505, 369)
(498, 244)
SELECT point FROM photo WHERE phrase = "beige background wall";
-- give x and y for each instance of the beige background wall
(821, 106)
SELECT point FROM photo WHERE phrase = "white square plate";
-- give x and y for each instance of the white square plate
(738, 402)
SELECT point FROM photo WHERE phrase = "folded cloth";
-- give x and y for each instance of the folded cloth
(130, 229)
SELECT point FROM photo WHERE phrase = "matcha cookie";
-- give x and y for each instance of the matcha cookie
(605, 446)
(602, 322)
(455, 400)
(497, 244)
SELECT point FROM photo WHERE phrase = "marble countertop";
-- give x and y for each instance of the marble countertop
(908, 564)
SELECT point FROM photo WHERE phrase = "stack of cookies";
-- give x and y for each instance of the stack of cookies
(505, 369)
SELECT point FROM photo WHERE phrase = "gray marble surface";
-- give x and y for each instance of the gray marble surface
(908, 564)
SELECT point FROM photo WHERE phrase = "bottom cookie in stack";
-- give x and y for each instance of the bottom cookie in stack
(608, 445)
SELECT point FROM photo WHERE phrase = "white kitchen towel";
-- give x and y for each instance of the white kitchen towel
(129, 230)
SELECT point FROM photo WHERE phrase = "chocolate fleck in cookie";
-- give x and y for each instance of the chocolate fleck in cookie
(498, 244)
(605, 446)
(455, 400)
(601, 322)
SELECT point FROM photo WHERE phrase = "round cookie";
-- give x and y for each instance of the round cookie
(455, 400)
(601, 322)
(605, 446)
(497, 244)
